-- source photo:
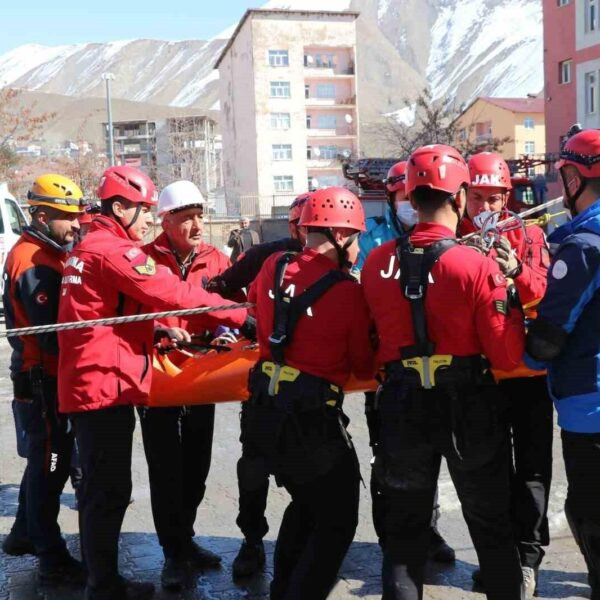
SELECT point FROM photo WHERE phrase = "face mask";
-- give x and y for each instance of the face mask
(406, 214)
(487, 217)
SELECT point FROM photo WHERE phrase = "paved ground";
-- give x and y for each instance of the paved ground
(562, 576)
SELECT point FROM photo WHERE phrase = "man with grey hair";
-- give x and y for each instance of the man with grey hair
(242, 239)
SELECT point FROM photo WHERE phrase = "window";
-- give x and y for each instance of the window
(528, 123)
(324, 61)
(325, 90)
(307, 91)
(590, 93)
(283, 183)
(591, 15)
(280, 89)
(280, 120)
(326, 122)
(529, 147)
(328, 152)
(563, 2)
(308, 152)
(279, 58)
(308, 121)
(564, 75)
(282, 152)
(15, 217)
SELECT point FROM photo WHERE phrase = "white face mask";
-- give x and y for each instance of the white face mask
(487, 217)
(406, 214)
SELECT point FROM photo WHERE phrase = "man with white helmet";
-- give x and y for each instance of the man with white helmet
(178, 440)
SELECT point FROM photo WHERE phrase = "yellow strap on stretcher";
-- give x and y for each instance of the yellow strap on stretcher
(278, 373)
(426, 366)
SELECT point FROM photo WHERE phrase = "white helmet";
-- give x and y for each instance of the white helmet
(179, 195)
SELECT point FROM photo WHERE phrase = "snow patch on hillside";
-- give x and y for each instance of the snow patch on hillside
(504, 43)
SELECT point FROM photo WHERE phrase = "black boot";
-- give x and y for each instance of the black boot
(124, 590)
(439, 550)
(202, 558)
(250, 559)
(174, 574)
(16, 545)
(61, 570)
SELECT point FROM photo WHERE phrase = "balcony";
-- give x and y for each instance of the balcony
(323, 163)
(348, 101)
(327, 72)
(341, 131)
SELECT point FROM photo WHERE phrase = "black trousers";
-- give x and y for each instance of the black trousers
(377, 499)
(531, 424)
(581, 452)
(178, 447)
(253, 488)
(466, 426)
(317, 529)
(104, 439)
(303, 442)
(48, 446)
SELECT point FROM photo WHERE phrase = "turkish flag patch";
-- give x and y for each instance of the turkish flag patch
(41, 298)
(132, 253)
(497, 280)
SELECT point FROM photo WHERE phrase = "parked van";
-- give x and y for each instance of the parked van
(12, 221)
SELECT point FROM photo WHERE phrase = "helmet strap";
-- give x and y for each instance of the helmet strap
(136, 214)
(342, 251)
(572, 198)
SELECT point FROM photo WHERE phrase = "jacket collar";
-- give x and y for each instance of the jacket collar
(43, 240)
(104, 223)
(588, 220)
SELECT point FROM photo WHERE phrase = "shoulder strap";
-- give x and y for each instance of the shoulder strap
(288, 311)
(415, 266)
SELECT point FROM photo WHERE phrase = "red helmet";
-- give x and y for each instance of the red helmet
(487, 169)
(129, 183)
(438, 167)
(583, 152)
(333, 207)
(396, 177)
(297, 205)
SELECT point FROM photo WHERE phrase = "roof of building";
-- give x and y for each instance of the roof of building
(517, 105)
(258, 11)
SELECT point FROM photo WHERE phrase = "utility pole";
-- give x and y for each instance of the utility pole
(108, 77)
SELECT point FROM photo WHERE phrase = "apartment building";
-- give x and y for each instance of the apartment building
(288, 97)
(571, 67)
(180, 147)
(521, 120)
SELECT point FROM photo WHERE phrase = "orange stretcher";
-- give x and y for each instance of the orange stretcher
(213, 377)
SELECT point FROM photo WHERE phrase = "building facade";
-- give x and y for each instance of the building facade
(571, 67)
(181, 147)
(288, 97)
(518, 120)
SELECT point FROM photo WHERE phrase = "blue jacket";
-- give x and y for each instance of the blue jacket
(572, 303)
(379, 230)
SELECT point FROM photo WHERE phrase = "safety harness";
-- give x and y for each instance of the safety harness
(287, 312)
(420, 358)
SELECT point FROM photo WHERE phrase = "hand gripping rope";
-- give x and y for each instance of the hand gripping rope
(38, 329)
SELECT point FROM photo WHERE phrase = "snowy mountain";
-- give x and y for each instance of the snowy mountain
(461, 48)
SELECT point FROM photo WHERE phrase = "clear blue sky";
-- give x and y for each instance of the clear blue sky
(67, 21)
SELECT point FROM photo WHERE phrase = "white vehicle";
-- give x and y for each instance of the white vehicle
(12, 221)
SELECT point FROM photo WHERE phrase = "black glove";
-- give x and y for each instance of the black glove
(248, 329)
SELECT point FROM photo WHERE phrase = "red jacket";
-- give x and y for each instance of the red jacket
(108, 275)
(31, 290)
(533, 253)
(207, 263)
(462, 313)
(333, 340)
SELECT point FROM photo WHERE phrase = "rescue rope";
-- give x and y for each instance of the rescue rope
(38, 329)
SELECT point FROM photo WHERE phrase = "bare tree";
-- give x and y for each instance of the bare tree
(434, 123)
(19, 123)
